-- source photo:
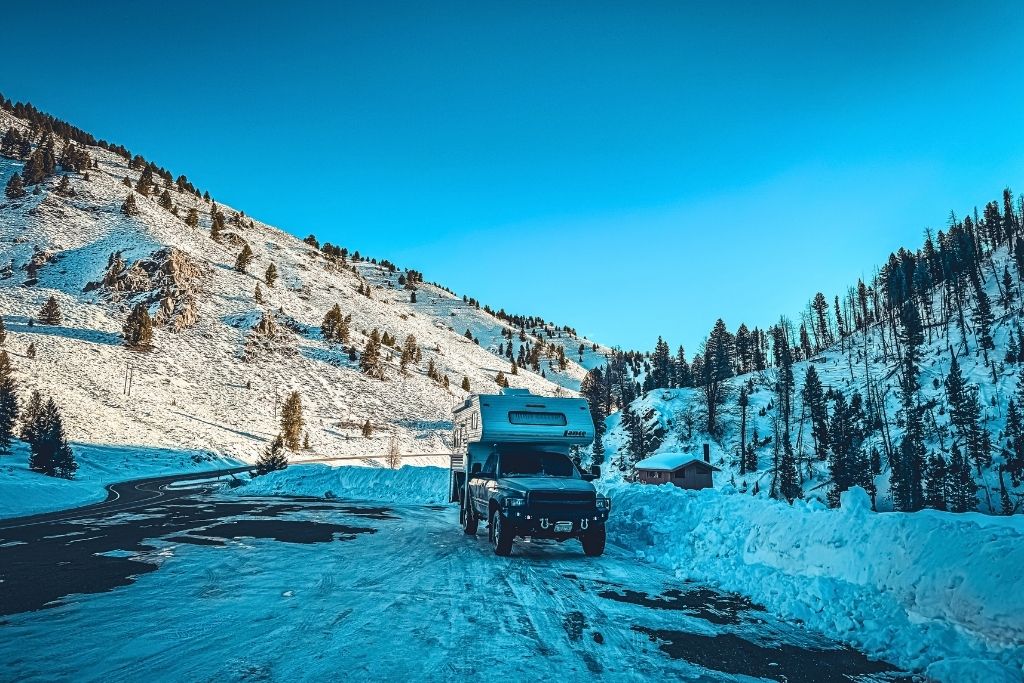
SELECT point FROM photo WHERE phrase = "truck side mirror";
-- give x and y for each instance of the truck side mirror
(475, 468)
(595, 471)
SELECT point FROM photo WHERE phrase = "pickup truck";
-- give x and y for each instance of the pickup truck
(521, 492)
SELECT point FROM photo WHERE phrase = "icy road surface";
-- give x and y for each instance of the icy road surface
(193, 586)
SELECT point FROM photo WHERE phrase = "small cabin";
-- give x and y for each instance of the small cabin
(680, 469)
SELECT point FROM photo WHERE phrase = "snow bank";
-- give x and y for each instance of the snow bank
(929, 591)
(409, 485)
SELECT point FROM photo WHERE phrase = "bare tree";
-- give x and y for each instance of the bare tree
(393, 459)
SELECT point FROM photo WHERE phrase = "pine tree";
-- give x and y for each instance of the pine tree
(965, 415)
(661, 366)
(465, 383)
(750, 457)
(273, 458)
(908, 461)
(49, 452)
(501, 380)
(334, 327)
(592, 389)
(1015, 443)
(192, 219)
(129, 207)
(3, 331)
(814, 399)
(743, 402)
(165, 200)
(716, 368)
(292, 421)
(961, 495)
(245, 257)
(367, 429)
(40, 164)
(138, 328)
(8, 403)
(50, 313)
(983, 320)
(31, 350)
(789, 483)
(64, 187)
(15, 187)
(370, 362)
(822, 331)
(257, 296)
(935, 483)
(1005, 504)
(271, 275)
(145, 182)
(216, 224)
(409, 352)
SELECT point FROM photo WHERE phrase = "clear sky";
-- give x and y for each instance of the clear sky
(632, 169)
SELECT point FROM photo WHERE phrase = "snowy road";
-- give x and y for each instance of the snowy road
(207, 586)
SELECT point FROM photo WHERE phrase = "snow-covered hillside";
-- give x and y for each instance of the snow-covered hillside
(211, 384)
(857, 365)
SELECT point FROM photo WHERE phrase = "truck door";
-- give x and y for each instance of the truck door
(479, 485)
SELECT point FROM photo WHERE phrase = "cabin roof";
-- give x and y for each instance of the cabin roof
(670, 462)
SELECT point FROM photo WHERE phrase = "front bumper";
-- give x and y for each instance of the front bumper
(560, 524)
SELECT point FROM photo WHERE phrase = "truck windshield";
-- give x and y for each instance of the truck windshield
(535, 463)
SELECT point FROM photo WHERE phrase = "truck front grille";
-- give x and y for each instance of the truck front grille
(561, 504)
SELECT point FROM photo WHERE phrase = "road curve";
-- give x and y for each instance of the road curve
(125, 495)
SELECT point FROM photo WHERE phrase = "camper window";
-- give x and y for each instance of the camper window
(523, 417)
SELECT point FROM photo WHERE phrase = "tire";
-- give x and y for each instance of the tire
(593, 542)
(501, 535)
(468, 520)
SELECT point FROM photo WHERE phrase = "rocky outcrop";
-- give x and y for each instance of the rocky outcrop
(168, 278)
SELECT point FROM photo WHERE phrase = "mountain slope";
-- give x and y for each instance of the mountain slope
(860, 365)
(211, 385)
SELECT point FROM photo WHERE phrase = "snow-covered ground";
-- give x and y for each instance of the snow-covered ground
(251, 588)
(937, 592)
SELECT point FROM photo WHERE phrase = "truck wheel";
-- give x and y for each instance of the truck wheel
(593, 542)
(501, 535)
(468, 520)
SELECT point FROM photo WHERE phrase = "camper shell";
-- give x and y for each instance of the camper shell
(511, 469)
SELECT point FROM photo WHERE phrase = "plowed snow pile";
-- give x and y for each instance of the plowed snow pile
(409, 485)
(922, 589)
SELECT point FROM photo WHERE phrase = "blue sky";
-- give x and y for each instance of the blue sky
(632, 169)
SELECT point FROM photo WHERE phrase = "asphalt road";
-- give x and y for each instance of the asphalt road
(126, 495)
(167, 581)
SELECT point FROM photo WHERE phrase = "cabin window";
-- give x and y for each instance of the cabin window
(524, 417)
(680, 474)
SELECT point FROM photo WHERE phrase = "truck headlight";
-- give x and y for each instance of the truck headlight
(515, 502)
(604, 504)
